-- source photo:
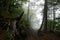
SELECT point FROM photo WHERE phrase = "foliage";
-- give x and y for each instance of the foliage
(50, 25)
(9, 35)
(56, 25)
(23, 0)
(24, 25)
(11, 8)
(54, 2)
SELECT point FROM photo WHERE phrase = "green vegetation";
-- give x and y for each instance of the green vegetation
(14, 22)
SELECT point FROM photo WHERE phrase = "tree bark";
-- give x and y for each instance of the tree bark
(45, 16)
(44, 22)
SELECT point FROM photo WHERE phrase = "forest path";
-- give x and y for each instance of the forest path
(34, 36)
(43, 36)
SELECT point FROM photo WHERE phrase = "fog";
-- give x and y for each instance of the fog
(35, 12)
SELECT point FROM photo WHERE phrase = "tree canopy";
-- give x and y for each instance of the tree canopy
(11, 8)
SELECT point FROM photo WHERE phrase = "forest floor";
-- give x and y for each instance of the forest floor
(44, 36)
(39, 36)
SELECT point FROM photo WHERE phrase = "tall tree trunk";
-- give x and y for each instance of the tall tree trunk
(13, 27)
(45, 15)
(54, 28)
(44, 22)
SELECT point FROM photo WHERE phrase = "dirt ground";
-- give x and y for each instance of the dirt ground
(40, 36)
(2, 34)
(43, 36)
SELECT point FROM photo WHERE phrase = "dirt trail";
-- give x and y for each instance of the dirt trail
(43, 36)
(2, 34)
(34, 36)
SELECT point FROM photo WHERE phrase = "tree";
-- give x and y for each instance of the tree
(11, 11)
(44, 22)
